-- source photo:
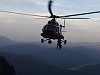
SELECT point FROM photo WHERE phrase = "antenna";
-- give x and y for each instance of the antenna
(64, 26)
(64, 23)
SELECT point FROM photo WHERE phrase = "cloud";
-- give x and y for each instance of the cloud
(20, 28)
(37, 5)
(79, 5)
(23, 2)
(26, 28)
(22, 5)
(83, 30)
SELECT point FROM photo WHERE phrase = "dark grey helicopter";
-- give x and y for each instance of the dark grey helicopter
(53, 30)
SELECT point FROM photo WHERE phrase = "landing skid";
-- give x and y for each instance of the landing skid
(49, 41)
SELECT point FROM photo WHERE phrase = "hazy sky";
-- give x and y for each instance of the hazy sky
(26, 28)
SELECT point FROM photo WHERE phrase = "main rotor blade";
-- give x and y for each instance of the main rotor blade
(81, 14)
(49, 7)
(22, 13)
(63, 31)
(75, 18)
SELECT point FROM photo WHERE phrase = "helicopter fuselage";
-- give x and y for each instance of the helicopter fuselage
(49, 34)
(52, 31)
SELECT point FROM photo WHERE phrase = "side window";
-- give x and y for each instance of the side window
(48, 27)
(45, 27)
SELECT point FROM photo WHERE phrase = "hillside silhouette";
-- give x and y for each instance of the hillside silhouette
(4, 41)
(37, 59)
(69, 57)
(5, 67)
(94, 69)
(27, 65)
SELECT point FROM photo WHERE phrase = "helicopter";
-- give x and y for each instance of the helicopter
(53, 30)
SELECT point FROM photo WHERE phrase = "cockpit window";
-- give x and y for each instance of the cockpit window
(50, 27)
(53, 22)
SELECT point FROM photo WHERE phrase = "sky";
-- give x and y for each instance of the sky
(28, 29)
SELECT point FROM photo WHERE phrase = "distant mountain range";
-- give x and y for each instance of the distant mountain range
(4, 41)
(68, 57)
(94, 69)
(27, 65)
(47, 60)
(5, 67)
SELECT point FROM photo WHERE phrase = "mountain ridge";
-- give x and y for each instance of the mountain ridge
(94, 69)
(4, 41)
(27, 66)
(79, 55)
